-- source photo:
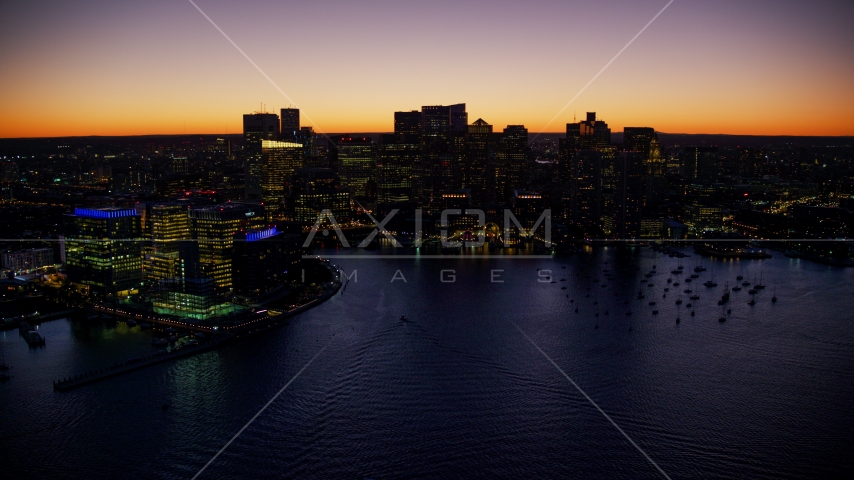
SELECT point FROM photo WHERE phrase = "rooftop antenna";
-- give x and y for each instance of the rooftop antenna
(573, 117)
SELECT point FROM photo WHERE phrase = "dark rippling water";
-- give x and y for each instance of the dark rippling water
(458, 392)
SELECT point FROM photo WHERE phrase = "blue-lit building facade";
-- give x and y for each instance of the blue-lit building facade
(103, 251)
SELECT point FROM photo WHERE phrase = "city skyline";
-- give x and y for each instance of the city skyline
(758, 68)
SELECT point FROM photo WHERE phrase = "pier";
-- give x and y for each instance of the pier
(132, 364)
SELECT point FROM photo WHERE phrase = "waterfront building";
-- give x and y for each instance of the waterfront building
(214, 227)
(189, 293)
(702, 217)
(169, 223)
(263, 260)
(27, 260)
(103, 250)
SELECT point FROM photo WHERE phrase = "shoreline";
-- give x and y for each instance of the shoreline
(237, 332)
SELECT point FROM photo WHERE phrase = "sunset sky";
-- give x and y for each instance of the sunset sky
(122, 67)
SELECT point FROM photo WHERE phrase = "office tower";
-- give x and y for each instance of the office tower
(263, 260)
(398, 156)
(103, 250)
(279, 161)
(441, 152)
(479, 149)
(513, 156)
(655, 179)
(628, 195)
(464, 221)
(312, 155)
(290, 125)
(585, 191)
(590, 134)
(407, 123)
(586, 167)
(167, 223)
(459, 118)
(356, 160)
(700, 164)
(257, 127)
(180, 165)
(644, 141)
(566, 159)
(752, 162)
(189, 293)
(639, 139)
(223, 146)
(528, 207)
(214, 226)
(316, 190)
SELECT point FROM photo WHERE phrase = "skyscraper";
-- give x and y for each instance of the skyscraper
(586, 191)
(316, 190)
(638, 139)
(407, 123)
(459, 117)
(628, 195)
(290, 125)
(279, 161)
(312, 154)
(356, 163)
(644, 141)
(439, 169)
(590, 134)
(479, 149)
(513, 155)
(170, 224)
(103, 250)
(398, 156)
(256, 128)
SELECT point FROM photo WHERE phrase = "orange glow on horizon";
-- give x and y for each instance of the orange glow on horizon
(753, 68)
